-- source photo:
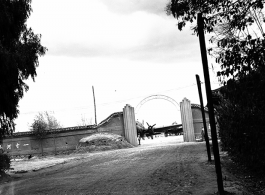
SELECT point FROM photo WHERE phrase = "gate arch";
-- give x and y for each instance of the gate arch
(151, 97)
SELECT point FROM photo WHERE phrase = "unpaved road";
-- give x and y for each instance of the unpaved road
(164, 167)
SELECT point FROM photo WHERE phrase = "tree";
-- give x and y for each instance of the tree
(237, 33)
(41, 124)
(5, 163)
(237, 28)
(85, 121)
(20, 49)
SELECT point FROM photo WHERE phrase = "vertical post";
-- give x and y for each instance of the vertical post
(95, 106)
(187, 121)
(130, 125)
(54, 143)
(203, 118)
(210, 104)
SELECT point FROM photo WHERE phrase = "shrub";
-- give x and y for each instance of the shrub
(41, 124)
(241, 116)
(4, 162)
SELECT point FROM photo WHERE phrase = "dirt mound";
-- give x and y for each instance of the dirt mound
(101, 142)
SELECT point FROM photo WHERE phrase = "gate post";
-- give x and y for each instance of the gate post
(130, 125)
(187, 121)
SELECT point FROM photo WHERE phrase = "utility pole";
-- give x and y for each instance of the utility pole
(95, 106)
(218, 170)
(203, 118)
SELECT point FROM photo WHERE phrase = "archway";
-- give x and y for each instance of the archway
(185, 111)
(159, 112)
(152, 97)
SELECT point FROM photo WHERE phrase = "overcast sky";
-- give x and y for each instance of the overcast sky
(128, 50)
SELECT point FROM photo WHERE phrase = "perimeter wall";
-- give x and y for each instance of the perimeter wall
(59, 140)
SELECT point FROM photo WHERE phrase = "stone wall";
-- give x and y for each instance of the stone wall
(59, 140)
(112, 124)
(55, 141)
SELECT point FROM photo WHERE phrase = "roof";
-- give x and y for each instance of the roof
(198, 106)
(217, 90)
(54, 130)
(68, 128)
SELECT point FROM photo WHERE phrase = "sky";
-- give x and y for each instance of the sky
(128, 50)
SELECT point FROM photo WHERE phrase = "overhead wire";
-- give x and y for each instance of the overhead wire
(113, 102)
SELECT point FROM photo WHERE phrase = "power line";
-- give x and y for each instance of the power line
(113, 102)
(179, 88)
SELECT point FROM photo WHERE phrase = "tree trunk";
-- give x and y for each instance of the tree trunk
(54, 144)
(41, 147)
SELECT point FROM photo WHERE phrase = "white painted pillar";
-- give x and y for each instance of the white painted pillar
(187, 121)
(130, 125)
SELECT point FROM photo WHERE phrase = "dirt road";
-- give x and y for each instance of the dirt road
(164, 167)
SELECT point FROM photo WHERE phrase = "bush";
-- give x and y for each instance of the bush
(41, 124)
(241, 115)
(4, 162)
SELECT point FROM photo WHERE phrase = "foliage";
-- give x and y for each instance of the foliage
(241, 121)
(43, 122)
(4, 162)
(85, 121)
(238, 46)
(39, 126)
(19, 52)
(236, 28)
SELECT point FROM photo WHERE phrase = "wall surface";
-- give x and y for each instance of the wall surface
(53, 142)
(113, 124)
(197, 120)
(61, 139)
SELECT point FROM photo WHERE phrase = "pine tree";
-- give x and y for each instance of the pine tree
(20, 49)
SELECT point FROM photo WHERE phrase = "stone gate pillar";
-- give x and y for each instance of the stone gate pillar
(130, 125)
(187, 121)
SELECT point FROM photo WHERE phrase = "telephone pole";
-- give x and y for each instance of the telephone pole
(95, 106)
(203, 118)
(210, 104)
